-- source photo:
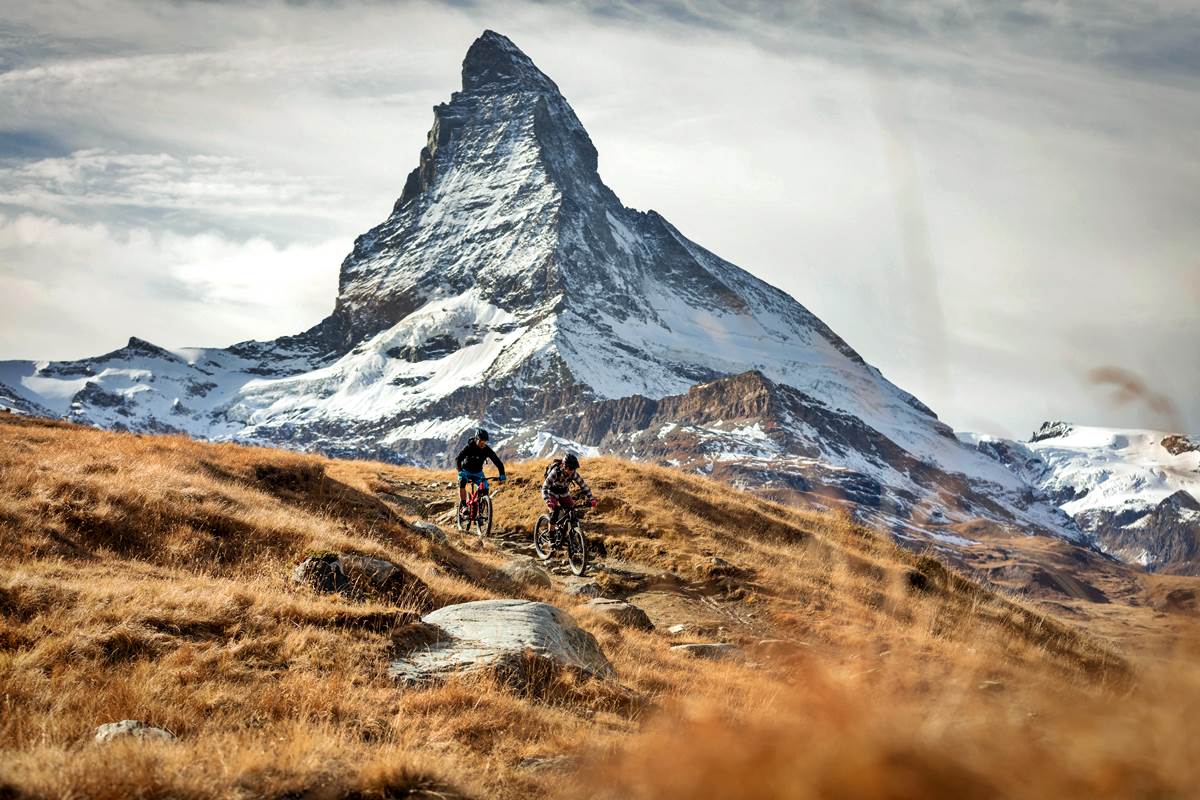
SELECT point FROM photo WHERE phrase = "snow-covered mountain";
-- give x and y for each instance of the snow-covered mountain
(1136, 491)
(510, 287)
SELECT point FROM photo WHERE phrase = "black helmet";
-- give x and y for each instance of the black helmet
(571, 462)
(481, 435)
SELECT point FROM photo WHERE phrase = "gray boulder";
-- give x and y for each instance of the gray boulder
(525, 572)
(132, 728)
(580, 587)
(523, 641)
(711, 650)
(429, 531)
(622, 613)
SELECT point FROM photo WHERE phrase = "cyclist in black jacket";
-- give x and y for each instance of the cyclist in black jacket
(470, 463)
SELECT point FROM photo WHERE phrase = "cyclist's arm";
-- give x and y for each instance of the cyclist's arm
(583, 487)
(459, 459)
(495, 459)
(546, 484)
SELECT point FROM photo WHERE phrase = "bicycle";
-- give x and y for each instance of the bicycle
(548, 537)
(478, 509)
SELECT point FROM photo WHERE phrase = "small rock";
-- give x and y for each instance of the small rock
(132, 727)
(676, 630)
(524, 571)
(539, 763)
(581, 588)
(991, 686)
(622, 613)
(440, 506)
(712, 650)
(429, 531)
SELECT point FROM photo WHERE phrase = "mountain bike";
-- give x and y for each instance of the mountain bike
(547, 537)
(477, 511)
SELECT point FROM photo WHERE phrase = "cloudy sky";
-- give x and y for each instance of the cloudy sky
(996, 203)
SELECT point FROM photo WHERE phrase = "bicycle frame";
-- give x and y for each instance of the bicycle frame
(569, 514)
(477, 490)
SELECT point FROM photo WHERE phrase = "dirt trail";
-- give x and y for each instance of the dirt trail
(681, 608)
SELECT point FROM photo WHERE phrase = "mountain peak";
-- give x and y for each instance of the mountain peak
(1051, 430)
(494, 64)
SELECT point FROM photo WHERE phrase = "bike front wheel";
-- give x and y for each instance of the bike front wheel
(483, 517)
(463, 520)
(576, 550)
(543, 538)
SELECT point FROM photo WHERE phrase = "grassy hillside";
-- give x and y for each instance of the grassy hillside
(146, 577)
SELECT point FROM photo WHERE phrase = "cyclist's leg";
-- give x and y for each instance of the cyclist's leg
(462, 489)
(562, 503)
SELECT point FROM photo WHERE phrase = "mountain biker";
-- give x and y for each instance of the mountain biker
(470, 463)
(556, 489)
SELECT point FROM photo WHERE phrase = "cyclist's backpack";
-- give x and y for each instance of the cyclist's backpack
(555, 463)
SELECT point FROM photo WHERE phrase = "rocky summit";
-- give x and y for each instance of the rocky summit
(510, 287)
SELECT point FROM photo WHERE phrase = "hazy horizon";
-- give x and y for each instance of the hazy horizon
(995, 207)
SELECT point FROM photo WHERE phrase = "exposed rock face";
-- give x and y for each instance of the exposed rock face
(360, 576)
(132, 728)
(522, 640)
(1177, 445)
(1165, 538)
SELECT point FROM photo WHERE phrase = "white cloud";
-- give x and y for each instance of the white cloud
(78, 290)
(216, 184)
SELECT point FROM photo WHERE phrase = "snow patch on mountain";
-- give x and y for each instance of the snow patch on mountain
(1137, 491)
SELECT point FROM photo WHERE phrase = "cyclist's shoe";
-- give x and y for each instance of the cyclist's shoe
(501, 478)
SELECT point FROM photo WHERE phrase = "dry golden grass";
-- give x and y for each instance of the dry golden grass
(145, 577)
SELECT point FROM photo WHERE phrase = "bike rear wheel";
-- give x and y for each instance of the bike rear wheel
(543, 538)
(483, 517)
(576, 549)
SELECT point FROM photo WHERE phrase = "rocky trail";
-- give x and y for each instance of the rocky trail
(688, 611)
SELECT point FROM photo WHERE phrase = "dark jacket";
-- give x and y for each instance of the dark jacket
(473, 455)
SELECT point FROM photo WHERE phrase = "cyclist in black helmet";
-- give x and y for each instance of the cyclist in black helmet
(556, 489)
(470, 463)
